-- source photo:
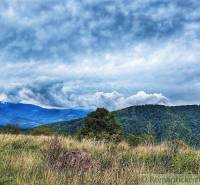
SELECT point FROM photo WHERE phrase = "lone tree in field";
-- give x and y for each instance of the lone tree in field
(101, 125)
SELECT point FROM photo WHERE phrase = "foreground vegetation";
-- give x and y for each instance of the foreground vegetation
(24, 161)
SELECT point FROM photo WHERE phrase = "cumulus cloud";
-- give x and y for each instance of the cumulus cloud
(60, 96)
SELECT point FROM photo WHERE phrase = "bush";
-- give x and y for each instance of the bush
(175, 145)
(101, 125)
(42, 130)
(187, 163)
(53, 152)
(10, 129)
(59, 158)
(135, 140)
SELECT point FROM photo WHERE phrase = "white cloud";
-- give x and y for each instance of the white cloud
(115, 100)
(3, 97)
(60, 97)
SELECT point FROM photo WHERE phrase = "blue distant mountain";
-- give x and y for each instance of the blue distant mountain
(28, 116)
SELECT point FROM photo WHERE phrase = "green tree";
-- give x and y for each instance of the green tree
(101, 125)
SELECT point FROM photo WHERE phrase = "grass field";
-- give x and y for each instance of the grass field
(23, 162)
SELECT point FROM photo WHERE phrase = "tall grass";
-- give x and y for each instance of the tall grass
(22, 162)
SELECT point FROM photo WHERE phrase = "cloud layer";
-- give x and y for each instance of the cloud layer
(73, 53)
(59, 96)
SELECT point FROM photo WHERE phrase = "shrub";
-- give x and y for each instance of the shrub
(75, 160)
(10, 129)
(63, 160)
(187, 163)
(42, 130)
(135, 140)
(175, 145)
(53, 152)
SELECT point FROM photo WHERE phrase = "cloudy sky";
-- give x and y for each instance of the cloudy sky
(100, 53)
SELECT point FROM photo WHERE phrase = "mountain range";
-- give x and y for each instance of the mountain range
(28, 116)
(163, 122)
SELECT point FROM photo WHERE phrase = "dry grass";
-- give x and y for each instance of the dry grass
(22, 162)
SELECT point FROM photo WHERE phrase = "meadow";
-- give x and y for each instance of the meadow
(23, 162)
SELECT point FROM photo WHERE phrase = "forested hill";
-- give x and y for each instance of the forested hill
(164, 122)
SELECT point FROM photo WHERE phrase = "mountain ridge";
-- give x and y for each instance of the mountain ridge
(28, 115)
(164, 122)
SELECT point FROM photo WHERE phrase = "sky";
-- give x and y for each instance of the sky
(102, 53)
